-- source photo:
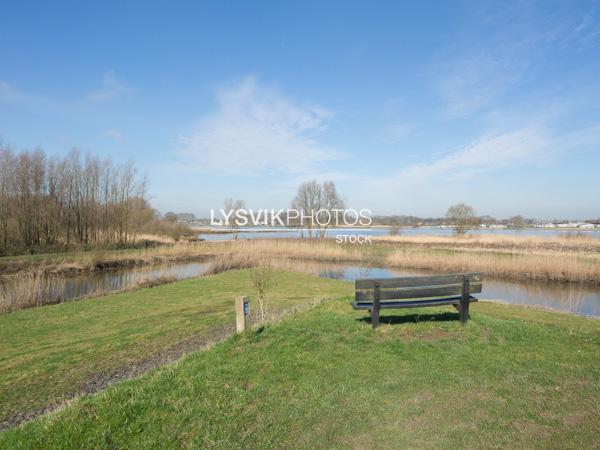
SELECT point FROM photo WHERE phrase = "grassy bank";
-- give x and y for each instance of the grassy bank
(51, 353)
(512, 377)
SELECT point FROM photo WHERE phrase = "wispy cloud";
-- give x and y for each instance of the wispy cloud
(8, 91)
(582, 34)
(111, 88)
(255, 128)
(396, 132)
(115, 135)
(524, 147)
(473, 82)
(338, 177)
(475, 75)
(486, 154)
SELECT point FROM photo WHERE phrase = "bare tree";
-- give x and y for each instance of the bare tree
(462, 217)
(53, 203)
(233, 206)
(332, 202)
(307, 200)
(262, 279)
(319, 205)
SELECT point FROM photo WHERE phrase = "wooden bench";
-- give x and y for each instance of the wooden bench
(417, 292)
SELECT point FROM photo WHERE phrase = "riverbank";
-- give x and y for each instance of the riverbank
(322, 378)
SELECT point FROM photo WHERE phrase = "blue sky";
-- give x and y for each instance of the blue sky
(407, 107)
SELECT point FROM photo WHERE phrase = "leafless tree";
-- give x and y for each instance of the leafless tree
(233, 206)
(319, 204)
(46, 203)
(262, 279)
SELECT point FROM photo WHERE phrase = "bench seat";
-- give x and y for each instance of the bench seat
(412, 303)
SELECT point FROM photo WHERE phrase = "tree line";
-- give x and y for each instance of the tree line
(51, 203)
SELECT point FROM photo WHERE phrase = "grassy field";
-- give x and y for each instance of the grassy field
(512, 377)
(48, 354)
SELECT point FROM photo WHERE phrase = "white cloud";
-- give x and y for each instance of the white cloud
(8, 91)
(474, 75)
(526, 146)
(583, 34)
(486, 154)
(255, 128)
(397, 131)
(115, 135)
(337, 177)
(111, 88)
(5, 87)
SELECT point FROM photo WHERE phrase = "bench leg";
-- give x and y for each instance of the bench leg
(464, 311)
(465, 300)
(375, 311)
(375, 317)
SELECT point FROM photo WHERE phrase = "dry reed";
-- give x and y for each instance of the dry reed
(571, 242)
(27, 290)
(549, 267)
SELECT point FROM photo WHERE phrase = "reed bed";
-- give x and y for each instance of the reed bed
(31, 289)
(579, 242)
(24, 290)
(310, 249)
(517, 266)
(226, 262)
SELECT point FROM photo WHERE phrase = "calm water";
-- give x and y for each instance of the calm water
(252, 233)
(562, 296)
(57, 289)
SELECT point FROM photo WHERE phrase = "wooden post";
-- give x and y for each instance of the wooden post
(375, 311)
(242, 314)
(464, 300)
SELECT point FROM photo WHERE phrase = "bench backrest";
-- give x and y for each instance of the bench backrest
(418, 287)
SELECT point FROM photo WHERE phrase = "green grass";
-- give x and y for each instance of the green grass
(40, 259)
(512, 377)
(48, 354)
(54, 257)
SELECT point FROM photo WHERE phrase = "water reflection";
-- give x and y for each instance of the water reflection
(85, 285)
